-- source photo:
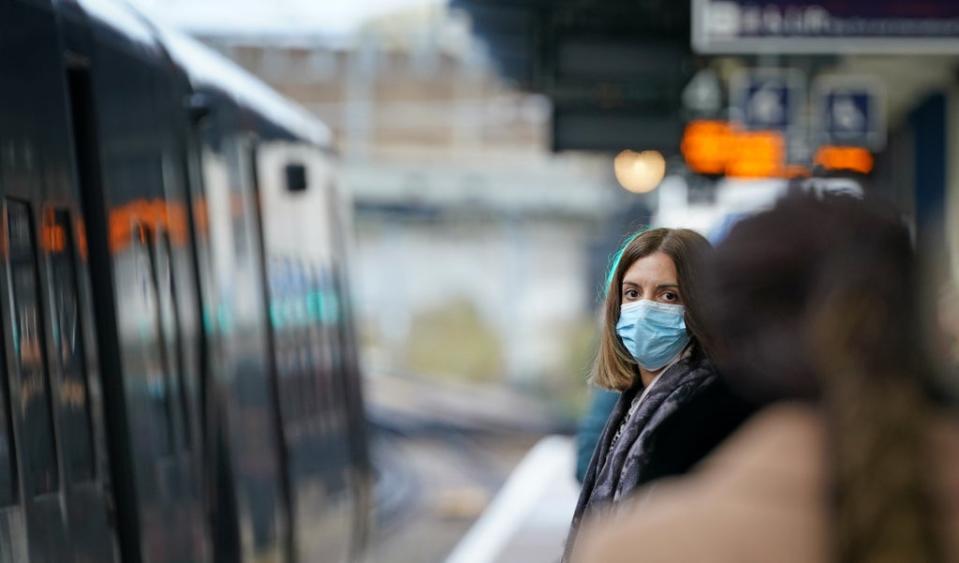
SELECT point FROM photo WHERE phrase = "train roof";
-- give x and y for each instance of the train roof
(208, 70)
(120, 19)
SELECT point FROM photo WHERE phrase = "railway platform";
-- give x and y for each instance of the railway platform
(528, 519)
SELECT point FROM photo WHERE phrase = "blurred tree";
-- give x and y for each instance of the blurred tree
(455, 341)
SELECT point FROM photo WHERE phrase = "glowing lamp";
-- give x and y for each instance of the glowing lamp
(639, 172)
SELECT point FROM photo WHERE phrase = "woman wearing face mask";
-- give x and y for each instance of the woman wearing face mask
(854, 457)
(673, 408)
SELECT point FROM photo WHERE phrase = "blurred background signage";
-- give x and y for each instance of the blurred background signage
(768, 99)
(826, 26)
(851, 111)
(849, 159)
(771, 127)
(706, 146)
(622, 79)
(703, 96)
(715, 148)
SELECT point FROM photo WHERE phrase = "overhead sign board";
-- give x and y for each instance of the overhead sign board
(826, 26)
(604, 130)
(850, 112)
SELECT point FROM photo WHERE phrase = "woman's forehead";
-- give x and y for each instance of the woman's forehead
(655, 269)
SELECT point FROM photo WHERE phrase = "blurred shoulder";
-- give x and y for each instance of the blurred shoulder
(755, 499)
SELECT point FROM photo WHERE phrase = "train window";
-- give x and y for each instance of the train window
(8, 466)
(8, 471)
(38, 444)
(295, 177)
(58, 243)
(154, 358)
(170, 318)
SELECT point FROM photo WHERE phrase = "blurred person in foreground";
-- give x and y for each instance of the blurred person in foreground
(673, 407)
(852, 460)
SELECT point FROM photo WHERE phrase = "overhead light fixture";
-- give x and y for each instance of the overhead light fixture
(639, 172)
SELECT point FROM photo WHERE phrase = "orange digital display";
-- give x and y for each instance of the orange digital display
(853, 159)
(757, 154)
(716, 147)
(705, 146)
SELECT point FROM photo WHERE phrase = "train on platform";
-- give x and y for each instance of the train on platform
(179, 377)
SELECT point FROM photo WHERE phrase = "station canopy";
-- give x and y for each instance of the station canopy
(614, 69)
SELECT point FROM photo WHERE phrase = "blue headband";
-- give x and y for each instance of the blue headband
(614, 260)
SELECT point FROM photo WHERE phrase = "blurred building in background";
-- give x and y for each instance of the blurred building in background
(477, 142)
(475, 243)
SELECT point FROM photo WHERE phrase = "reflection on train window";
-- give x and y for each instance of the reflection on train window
(8, 468)
(77, 442)
(170, 316)
(38, 446)
(154, 365)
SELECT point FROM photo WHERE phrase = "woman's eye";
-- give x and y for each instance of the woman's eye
(670, 296)
(631, 294)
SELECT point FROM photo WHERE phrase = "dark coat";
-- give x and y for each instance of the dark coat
(686, 414)
(601, 404)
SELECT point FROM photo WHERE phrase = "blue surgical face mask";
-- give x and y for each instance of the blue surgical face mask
(654, 333)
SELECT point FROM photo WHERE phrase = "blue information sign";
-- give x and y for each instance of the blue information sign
(767, 99)
(851, 112)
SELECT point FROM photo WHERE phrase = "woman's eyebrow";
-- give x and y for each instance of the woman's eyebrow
(668, 285)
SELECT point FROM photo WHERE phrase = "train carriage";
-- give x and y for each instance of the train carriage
(180, 379)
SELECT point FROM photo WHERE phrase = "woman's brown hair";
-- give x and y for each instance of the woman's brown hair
(819, 301)
(614, 367)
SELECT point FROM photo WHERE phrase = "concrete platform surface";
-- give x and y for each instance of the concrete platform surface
(529, 517)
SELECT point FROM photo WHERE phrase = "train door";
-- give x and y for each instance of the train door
(26, 364)
(15, 500)
(130, 221)
(255, 522)
(13, 534)
(48, 409)
(89, 506)
(36, 521)
(84, 143)
(297, 219)
(174, 248)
